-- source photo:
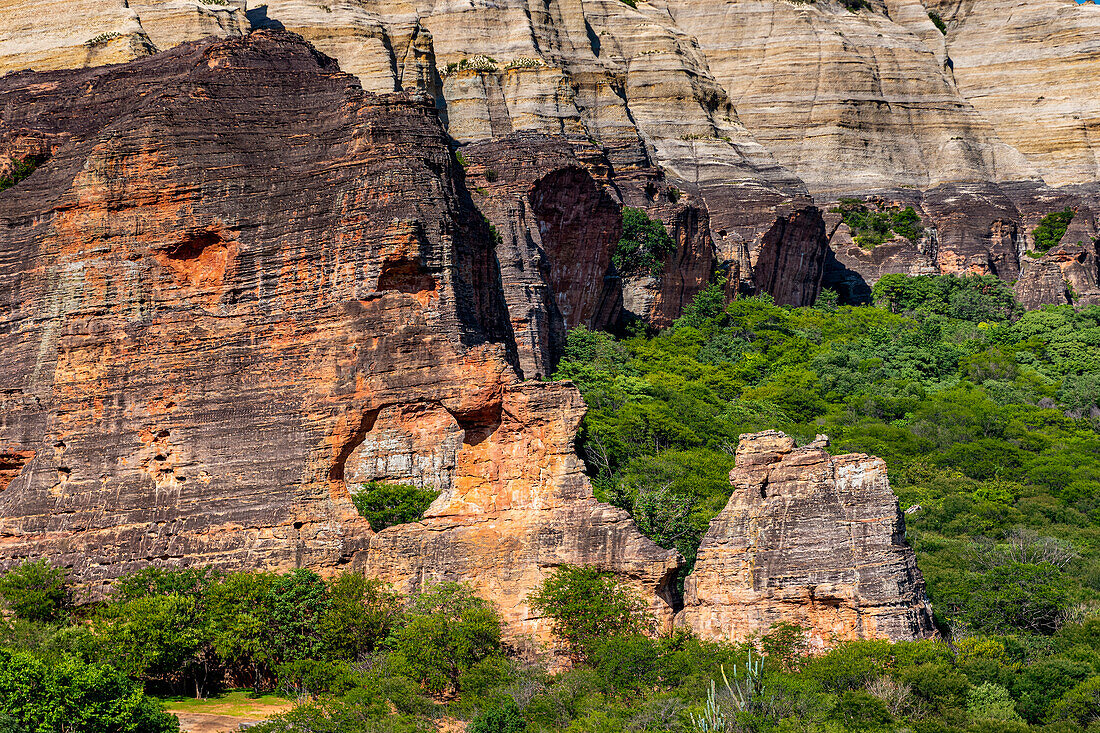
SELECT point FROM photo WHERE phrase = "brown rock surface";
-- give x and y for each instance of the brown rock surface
(811, 539)
(557, 226)
(790, 262)
(239, 283)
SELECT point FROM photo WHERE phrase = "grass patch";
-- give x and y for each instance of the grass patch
(236, 703)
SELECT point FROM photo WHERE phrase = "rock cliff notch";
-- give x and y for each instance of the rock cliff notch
(807, 538)
(237, 282)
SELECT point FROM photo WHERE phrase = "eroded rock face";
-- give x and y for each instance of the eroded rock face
(41, 35)
(811, 539)
(851, 102)
(790, 262)
(1030, 68)
(557, 225)
(237, 284)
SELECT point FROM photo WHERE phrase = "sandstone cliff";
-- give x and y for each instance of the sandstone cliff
(850, 101)
(1030, 68)
(236, 284)
(806, 538)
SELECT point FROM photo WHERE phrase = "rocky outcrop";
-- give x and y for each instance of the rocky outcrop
(209, 337)
(852, 270)
(659, 299)
(1069, 272)
(790, 262)
(557, 226)
(810, 539)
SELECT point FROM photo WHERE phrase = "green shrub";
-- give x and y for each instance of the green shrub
(504, 717)
(861, 711)
(643, 246)
(937, 21)
(154, 581)
(990, 701)
(360, 615)
(314, 678)
(626, 663)
(385, 505)
(872, 228)
(1051, 229)
(74, 697)
(1081, 704)
(586, 606)
(445, 632)
(20, 169)
(35, 591)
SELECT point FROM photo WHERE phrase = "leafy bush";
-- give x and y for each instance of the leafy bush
(445, 632)
(1051, 229)
(35, 591)
(360, 615)
(644, 245)
(20, 169)
(385, 505)
(990, 701)
(971, 298)
(937, 21)
(586, 606)
(75, 697)
(503, 718)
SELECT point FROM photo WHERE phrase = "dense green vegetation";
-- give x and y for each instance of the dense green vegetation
(871, 228)
(644, 244)
(358, 658)
(986, 416)
(1051, 229)
(385, 505)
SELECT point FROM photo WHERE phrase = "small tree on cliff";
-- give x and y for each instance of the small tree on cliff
(587, 605)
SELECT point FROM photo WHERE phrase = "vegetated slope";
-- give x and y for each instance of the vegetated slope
(986, 419)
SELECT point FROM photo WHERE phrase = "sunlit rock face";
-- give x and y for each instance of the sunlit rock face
(237, 284)
(810, 539)
(1030, 68)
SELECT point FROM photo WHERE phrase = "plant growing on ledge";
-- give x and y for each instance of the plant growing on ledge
(872, 228)
(1051, 229)
(644, 244)
(937, 21)
(385, 505)
(20, 169)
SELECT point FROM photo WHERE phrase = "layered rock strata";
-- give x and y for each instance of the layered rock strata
(43, 35)
(850, 101)
(811, 539)
(1030, 68)
(557, 225)
(236, 285)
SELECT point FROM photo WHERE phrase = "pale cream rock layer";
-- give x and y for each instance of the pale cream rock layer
(848, 101)
(40, 35)
(1033, 70)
